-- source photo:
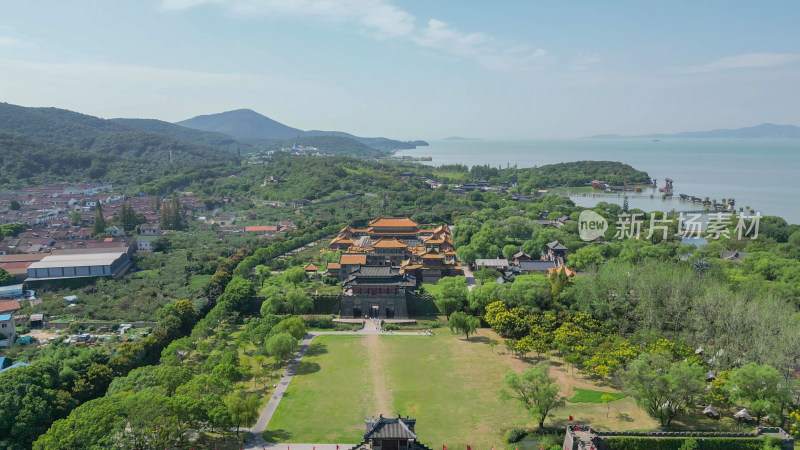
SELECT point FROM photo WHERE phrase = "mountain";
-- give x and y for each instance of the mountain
(68, 129)
(242, 123)
(210, 138)
(248, 124)
(763, 131)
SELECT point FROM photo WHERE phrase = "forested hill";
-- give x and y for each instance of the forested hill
(335, 145)
(26, 162)
(212, 139)
(248, 124)
(68, 129)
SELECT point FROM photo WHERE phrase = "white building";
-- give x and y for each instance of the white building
(8, 330)
(80, 265)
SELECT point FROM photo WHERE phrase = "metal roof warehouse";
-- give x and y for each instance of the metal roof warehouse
(79, 265)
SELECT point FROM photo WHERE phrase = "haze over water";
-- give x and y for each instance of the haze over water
(762, 173)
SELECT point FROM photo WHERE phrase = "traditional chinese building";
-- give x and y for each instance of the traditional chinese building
(390, 434)
(376, 291)
(557, 252)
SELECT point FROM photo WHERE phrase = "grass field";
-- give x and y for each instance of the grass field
(328, 397)
(591, 396)
(450, 385)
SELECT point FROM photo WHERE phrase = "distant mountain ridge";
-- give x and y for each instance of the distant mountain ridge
(248, 124)
(69, 129)
(763, 131)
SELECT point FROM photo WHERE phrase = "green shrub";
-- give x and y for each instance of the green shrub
(667, 443)
(515, 435)
(391, 327)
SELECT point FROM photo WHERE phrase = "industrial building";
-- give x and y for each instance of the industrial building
(80, 265)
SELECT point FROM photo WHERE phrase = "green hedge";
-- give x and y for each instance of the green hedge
(674, 443)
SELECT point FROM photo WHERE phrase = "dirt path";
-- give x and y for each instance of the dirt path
(382, 400)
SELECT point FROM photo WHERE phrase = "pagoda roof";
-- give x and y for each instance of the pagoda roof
(394, 428)
(311, 267)
(333, 265)
(555, 245)
(389, 243)
(393, 222)
(353, 259)
(565, 269)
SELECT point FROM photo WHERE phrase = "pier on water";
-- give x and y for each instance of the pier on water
(621, 195)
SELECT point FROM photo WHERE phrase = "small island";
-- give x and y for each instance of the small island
(459, 138)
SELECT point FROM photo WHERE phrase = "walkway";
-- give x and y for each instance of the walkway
(470, 277)
(256, 441)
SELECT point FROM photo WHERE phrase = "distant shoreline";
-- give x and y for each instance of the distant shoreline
(459, 138)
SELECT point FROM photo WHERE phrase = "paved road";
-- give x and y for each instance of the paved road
(470, 278)
(255, 440)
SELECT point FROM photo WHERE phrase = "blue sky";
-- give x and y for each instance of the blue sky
(413, 69)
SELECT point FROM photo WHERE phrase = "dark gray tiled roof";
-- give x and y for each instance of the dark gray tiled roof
(536, 266)
(555, 245)
(395, 428)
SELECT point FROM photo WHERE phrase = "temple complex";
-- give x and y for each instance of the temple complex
(382, 264)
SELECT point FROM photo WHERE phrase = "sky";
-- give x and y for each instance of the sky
(413, 69)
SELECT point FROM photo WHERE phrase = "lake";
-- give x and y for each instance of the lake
(761, 173)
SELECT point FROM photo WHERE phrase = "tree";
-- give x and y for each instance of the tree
(5, 278)
(467, 254)
(492, 344)
(75, 219)
(761, 388)
(607, 399)
(661, 387)
(586, 258)
(14, 205)
(295, 275)
(299, 302)
(243, 409)
(535, 389)
(486, 274)
(481, 296)
(161, 244)
(262, 274)
(292, 325)
(509, 251)
(451, 295)
(99, 221)
(238, 292)
(463, 323)
(281, 347)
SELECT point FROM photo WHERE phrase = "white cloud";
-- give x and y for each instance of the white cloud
(750, 60)
(583, 60)
(7, 40)
(486, 50)
(386, 21)
(375, 15)
(128, 72)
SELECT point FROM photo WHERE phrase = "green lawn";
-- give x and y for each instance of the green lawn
(451, 386)
(590, 396)
(327, 399)
(198, 281)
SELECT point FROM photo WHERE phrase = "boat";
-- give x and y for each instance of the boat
(655, 140)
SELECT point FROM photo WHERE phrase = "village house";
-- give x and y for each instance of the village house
(8, 330)
(150, 229)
